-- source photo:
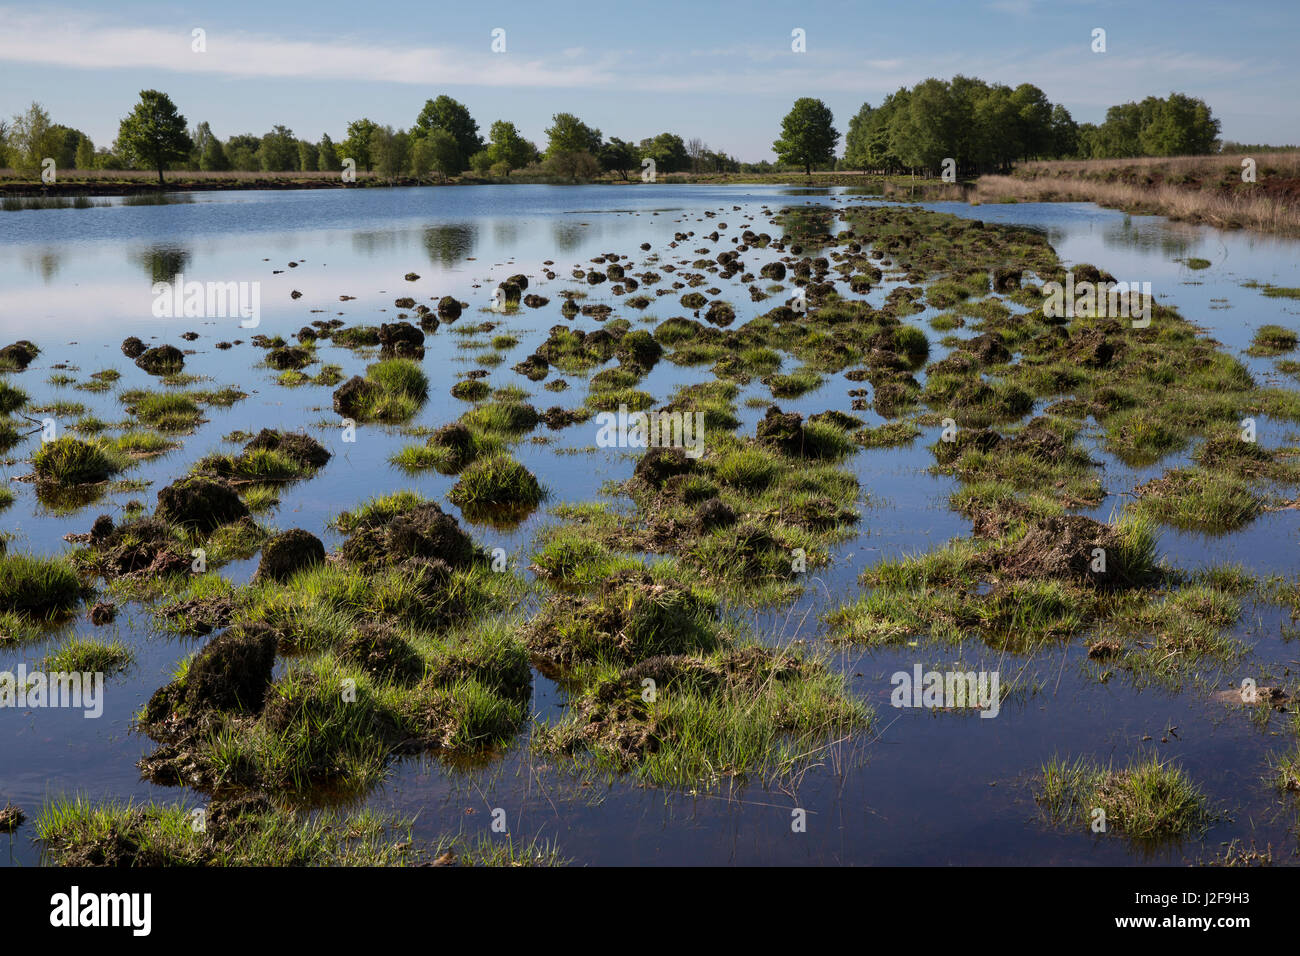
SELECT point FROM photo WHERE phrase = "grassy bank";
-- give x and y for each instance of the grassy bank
(1204, 189)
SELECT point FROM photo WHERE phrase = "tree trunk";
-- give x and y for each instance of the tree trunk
(160, 176)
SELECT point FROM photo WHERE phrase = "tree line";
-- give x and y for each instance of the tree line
(444, 140)
(984, 127)
(980, 126)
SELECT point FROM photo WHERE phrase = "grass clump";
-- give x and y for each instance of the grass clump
(71, 461)
(87, 655)
(38, 588)
(1273, 340)
(496, 481)
(243, 831)
(1151, 801)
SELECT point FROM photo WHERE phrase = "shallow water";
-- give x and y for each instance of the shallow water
(922, 788)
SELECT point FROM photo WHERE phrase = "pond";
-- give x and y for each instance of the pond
(918, 788)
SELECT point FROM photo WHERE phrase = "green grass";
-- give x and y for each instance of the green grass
(168, 411)
(506, 419)
(1194, 499)
(1150, 801)
(793, 385)
(496, 481)
(38, 588)
(11, 398)
(400, 376)
(88, 655)
(71, 461)
(77, 832)
(1273, 340)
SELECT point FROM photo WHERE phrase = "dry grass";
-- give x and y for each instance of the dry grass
(1204, 189)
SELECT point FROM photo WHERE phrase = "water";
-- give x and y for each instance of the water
(922, 788)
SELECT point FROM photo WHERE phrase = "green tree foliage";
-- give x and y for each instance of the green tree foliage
(31, 138)
(279, 150)
(980, 126)
(1178, 125)
(241, 152)
(308, 156)
(668, 152)
(508, 148)
(357, 145)
(214, 157)
(808, 135)
(619, 157)
(454, 117)
(574, 164)
(85, 158)
(438, 152)
(327, 157)
(153, 135)
(481, 162)
(568, 134)
(389, 151)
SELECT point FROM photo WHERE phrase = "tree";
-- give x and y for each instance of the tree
(1180, 125)
(32, 138)
(668, 152)
(508, 148)
(1065, 133)
(619, 157)
(568, 134)
(924, 133)
(153, 134)
(446, 154)
(214, 157)
(388, 151)
(308, 156)
(574, 164)
(279, 150)
(481, 162)
(241, 151)
(454, 117)
(695, 150)
(63, 145)
(856, 151)
(437, 151)
(85, 158)
(1035, 120)
(997, 121)
(327, 158)
(357, 145)
(808, 136)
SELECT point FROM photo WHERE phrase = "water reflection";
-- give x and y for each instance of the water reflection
(448, 244)
(162, 262)
(374, 242)
(45, 261)
(566, 235)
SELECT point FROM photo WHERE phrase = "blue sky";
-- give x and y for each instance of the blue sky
(723, 72)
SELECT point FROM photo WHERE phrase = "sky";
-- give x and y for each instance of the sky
(723, 72)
